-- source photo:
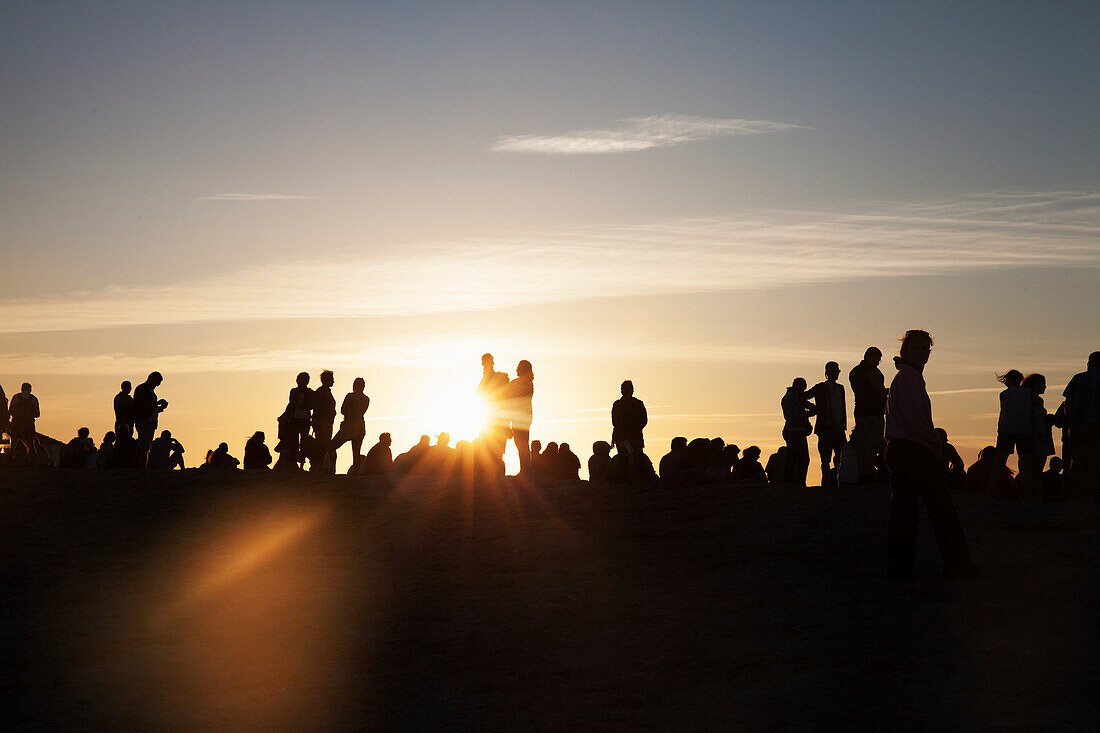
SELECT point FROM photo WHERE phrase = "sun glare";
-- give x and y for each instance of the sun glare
(460, 415)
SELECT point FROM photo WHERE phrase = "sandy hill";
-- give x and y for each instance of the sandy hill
(255, 601)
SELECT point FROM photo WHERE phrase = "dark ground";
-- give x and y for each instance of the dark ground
(197, 601)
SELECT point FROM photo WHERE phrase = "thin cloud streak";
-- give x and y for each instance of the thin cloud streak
(774, 249)
(256, 197)
(638, 133)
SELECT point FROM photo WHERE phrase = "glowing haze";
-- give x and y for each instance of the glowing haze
(707, 198)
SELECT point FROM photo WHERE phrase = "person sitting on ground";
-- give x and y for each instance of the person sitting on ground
(548, 462)
(165, 453)
(221, 460)
(206, 461)
(1054, 485)
(409, 461)
(568, 463)
(536, 455)
(379, 459)
(106, 449)
(674, 473)
(952, 463)
(633, 469)
(257, 457)
(731, 461)
(749, 468)
(78, 450)
(441, 457)
(125, 453)
(599, 461)
(717, 466)
(777, 464)
(989, 476)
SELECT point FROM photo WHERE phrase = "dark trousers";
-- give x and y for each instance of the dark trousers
(798, 457)
(318, 461)
(522, 438)
(916, 478)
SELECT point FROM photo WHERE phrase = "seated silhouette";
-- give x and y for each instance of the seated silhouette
(600, 460)
(257, 457)
(409, 461)
(1054, 483)
(165, 453)
(988, 475)
(106, 450)
(220, 460)
(674, 470)
(749, 468)
(79, 451)
(569, 465)
(777, 465)
(379, 459)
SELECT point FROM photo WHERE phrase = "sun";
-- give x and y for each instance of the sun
(459, 414)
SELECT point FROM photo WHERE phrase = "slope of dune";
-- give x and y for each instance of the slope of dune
(257, 601)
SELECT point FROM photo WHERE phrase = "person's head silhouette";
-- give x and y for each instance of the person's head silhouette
(872, 356)
(83, 433)
(257, 437)
(1011, 378)
(487, 362)
(1055, 464)
(443, 440)
(601, 448)
(167, 434)
(916, 347)
(799, 384)
(536, 447)
(126, 387)
(1037, 383)
(1094, 360)
(155, 379)
(385, 439)
(832, 371)
(359, 385)
(523, 369)
(627, 388)
(327, 379)
(223, 447)
(303, 379)
(679, 443)
(25, 388)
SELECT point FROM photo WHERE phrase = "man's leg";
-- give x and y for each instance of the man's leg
(522, 438)
(904, 509)
(318, 462)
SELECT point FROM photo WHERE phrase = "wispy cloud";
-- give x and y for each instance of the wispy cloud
(775, 248)
(256, 197)
(638, 133)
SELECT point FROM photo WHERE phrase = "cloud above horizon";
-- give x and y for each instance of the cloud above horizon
(256, 197)
(638, 133)
(770, 249)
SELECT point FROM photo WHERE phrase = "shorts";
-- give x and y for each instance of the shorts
(1023, 443)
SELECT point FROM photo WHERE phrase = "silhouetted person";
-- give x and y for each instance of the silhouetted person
(749, 468)
(1083, 424)
(23, 411)
(1014, 419)
(832, 422)
(79, 450)
(124, 407)
(628, 419)
(4, 419)
(257, 457)
(1053, 482)
(147, 409)
(409, 461)
(536, 456)
(777, 465)
(324, 415)
(548, 465)
(952, 463)
(568, 462)
(796, 428)
(673, 470)
(220, 460)
(869, 393)
(730, 462)
(106, 450)
(1039, 445)
(913, 450)
(989, 476)
(353, 426)
(379, 460)
(165, 453)
(599, 461)
(521, 391)
(294, 425)
(493, 392)
(125, 453)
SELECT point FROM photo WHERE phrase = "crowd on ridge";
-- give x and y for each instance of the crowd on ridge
(893, 436)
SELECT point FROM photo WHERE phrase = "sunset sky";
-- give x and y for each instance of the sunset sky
(707, 198)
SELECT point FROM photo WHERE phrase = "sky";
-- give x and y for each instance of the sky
(709, 199)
